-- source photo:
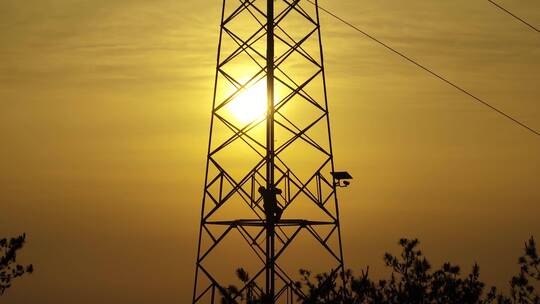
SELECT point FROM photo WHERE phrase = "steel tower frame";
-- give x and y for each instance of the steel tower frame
(270, 187)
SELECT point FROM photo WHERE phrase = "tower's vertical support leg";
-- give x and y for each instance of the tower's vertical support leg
(270, 231)
(206, 178)
(323, 70)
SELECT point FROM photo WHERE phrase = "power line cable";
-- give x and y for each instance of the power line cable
(419, 65)
(514, 15)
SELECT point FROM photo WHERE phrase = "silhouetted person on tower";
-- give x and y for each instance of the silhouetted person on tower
(271, 207)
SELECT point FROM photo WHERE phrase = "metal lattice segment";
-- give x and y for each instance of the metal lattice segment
(234, 223)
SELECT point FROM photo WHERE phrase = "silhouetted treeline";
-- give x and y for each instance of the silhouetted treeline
(412, 281)
(9, 269)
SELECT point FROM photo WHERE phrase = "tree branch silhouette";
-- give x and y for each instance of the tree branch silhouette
(9, 269)
(412, 281)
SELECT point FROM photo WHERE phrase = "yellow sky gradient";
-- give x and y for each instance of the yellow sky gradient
(104, 116)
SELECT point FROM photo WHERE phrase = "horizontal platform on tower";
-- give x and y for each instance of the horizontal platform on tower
(262, 223)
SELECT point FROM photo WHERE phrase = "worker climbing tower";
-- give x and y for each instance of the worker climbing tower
(270, 204)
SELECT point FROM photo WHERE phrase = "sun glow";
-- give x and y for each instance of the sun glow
(251, 104)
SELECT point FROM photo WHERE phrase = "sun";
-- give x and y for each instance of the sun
(250, 104)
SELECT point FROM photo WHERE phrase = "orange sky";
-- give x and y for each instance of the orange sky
(104, 114)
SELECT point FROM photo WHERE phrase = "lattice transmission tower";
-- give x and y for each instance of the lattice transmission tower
(270, 204)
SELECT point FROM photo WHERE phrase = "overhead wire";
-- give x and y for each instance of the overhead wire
(430, 71)
(514, 15)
